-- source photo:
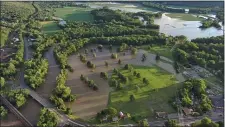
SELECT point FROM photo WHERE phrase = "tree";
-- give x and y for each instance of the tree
(138, 75)
(127, 66)
(112, 111)
(94, 55)
(86, 51)
(119, 61)
(133, 51)
(143, 123)
(82, 77)
(110, 48)
(114, 56)
(157, 57)
(100, 47)
(47, 118)
(171, 123)
(115, 70)
(3, 112)
(2, 82)
(106, 64)
(145, 81)
(134, 73)
(132, 97)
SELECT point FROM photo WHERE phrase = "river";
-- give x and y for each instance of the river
(168, 26)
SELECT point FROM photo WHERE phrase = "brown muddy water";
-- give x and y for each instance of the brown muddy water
(31, 110)
(45, 89)
(11, 120)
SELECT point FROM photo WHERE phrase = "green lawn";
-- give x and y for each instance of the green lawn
(161, 50)
(150, 97)
(184, 16)
(74, 13)
(50, 27)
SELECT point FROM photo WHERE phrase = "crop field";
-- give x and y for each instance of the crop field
(74, 13)
(50, 27)
(148, 98)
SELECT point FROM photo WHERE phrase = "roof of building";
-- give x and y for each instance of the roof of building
(187, 111)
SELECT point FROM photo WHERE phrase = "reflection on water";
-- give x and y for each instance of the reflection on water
(168, 26)
(174, 27)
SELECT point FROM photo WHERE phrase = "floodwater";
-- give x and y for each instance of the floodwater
(11, 120)
(31, 110)
(45, 89)
(168, 26)
(190, 29)
(90, 102)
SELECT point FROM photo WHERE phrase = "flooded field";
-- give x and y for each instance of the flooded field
(31, 111)
(11, 120)
(90, 102)
(45, 89)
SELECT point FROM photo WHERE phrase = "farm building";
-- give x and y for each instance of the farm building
(62, 22)
(161, 114)
(187, 111)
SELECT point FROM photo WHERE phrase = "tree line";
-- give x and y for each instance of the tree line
(35, 72)
(62, 93)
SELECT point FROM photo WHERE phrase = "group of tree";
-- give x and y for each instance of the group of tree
(207, 122)
(3, 112)
(90, 83)
(86, 30)
(62, 93)
(193, 7)
(210, 23)
(143, 123)
(35, 72)
(16, 11)
(110, 112)
(18, 97)
(205, 52)
(47, 118)
(130, 40)
(9, 68)
(195, 88)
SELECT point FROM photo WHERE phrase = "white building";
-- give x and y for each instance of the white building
(62, 22)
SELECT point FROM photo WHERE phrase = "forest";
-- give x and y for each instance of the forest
(206, 52)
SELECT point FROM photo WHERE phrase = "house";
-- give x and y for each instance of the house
(114, 119)
(161, 114)
(121, 114)
(16, 39)
(187, 111)
(62, 22)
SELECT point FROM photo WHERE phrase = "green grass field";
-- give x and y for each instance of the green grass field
(150, 97)
(161, 50)
(50, 27)
(74, 13)
(184, 16)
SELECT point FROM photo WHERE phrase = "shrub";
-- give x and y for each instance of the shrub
(114, 56)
